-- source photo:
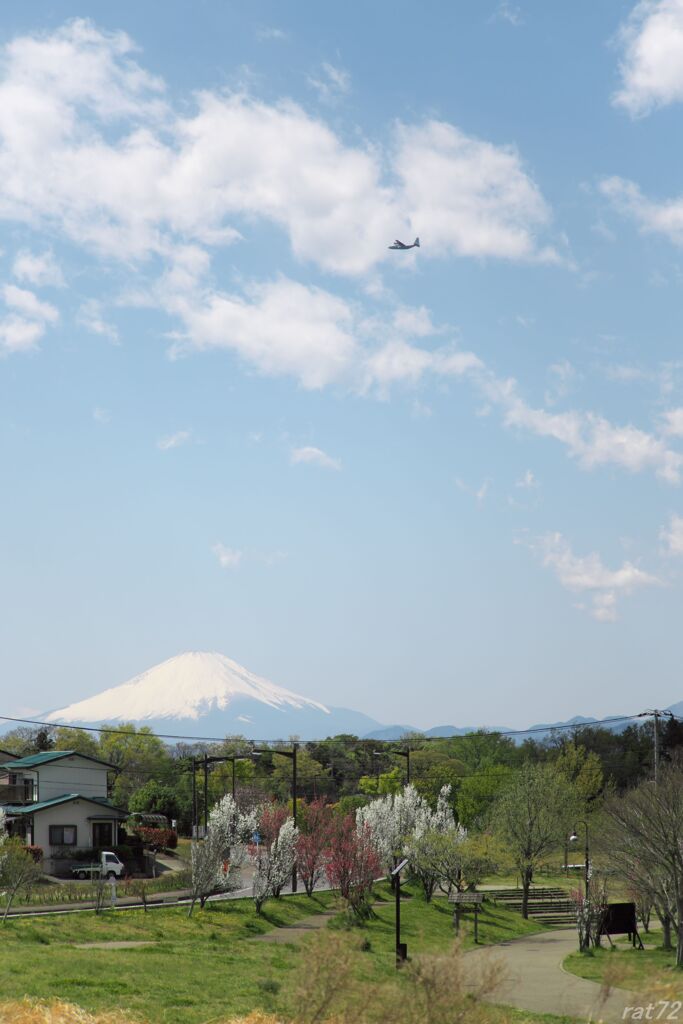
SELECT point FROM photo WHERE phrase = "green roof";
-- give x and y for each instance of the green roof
(46, 756)
(101, 801)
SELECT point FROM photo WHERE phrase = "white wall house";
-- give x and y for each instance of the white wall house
(58, 800)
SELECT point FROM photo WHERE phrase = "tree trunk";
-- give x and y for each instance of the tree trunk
(526, 884)
(666, 932)
(679, 948)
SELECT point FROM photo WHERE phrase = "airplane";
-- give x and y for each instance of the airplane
(402, 245)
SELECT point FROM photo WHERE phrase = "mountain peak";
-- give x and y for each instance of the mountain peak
(187, 686)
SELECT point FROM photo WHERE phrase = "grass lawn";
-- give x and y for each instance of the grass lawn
(626, 967)
(204, 967)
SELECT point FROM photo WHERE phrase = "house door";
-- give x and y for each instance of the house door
(102, 834)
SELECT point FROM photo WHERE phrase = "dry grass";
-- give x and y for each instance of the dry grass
(29, 1011)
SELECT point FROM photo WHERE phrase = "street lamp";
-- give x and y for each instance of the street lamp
(401, 947)
(574, 838)
(291, 754)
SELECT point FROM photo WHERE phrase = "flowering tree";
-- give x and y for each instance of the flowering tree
(395, 819)
(270, 820)
(590, 912)
(352, 863)
(217, 859)
(273, 863)
(312, 844)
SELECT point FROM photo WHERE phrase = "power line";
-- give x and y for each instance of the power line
(106, 730)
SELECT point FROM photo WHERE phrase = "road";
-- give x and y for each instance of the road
(536, 981)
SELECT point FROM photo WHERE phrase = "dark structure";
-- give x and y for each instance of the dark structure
(620, 919)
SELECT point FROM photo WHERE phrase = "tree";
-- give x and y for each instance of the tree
(18, 869)
(477, 792)
(155, 798)
(393, 818)
(217, 859)
(273, 862)
(643, 833)
(532, 815)
(138, 755)
(76, 739)
(352, 863)
(312, 843)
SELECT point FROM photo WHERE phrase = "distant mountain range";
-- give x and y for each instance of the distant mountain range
(204, 694)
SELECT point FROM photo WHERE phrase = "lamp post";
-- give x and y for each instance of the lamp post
(401, 947)
(572, 839)
(291, 754)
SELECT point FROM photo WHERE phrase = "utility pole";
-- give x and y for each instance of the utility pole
(656, 715)
(194, 798)
(206, 793)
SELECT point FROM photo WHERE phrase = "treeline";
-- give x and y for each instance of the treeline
(156, 777)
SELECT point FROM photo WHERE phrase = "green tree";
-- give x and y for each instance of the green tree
(477, 792)
(532, 816)
(138, 755)
(78, 740)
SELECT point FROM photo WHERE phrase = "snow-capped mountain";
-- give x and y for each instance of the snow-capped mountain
(207, 694)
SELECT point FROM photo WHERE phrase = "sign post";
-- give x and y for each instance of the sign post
(461, 900)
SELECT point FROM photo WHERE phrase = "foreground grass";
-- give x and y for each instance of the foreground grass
(625, 967)
(206, 967)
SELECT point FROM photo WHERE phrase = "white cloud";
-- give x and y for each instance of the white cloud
(101, 415)
(509, 12)
(90, 147)
(228, 558)
(40, 269)
(527, 480)
(270, 33)
(588, 574)
(26, 321)
(660, 218)
(588, 437)
(673, 535)
(280, 327)
(181, 437)
(330, 82)
(19, 335)
(90, 316)
(314, 456)
(652, 64)
(468, 197)
(673, 422)
(28, 304)
(479, 493)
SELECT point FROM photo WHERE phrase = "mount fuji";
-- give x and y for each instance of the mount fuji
(206, 694)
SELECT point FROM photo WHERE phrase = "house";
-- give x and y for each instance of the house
(58, 800)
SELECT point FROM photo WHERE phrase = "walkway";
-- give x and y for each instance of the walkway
(535, 979)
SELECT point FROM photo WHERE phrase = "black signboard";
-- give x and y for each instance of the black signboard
(620, 919)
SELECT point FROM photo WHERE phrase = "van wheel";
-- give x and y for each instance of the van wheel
(81, 874)
(111, 874)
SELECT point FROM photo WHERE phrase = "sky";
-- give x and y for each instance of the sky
(437, 486)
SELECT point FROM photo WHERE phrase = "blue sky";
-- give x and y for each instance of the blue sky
(442, 485)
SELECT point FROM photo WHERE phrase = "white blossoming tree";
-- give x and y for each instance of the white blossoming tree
(218, 858)
(273, 864)
(396, 819)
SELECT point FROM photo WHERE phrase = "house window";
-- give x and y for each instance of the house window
(63, 835)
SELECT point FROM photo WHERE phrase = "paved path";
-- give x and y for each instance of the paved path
(537, 982)
(294, 932)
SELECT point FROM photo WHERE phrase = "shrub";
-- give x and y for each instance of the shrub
(36, 852)
(158, 838)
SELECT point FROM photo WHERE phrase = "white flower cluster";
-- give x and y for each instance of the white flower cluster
(394, 819)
